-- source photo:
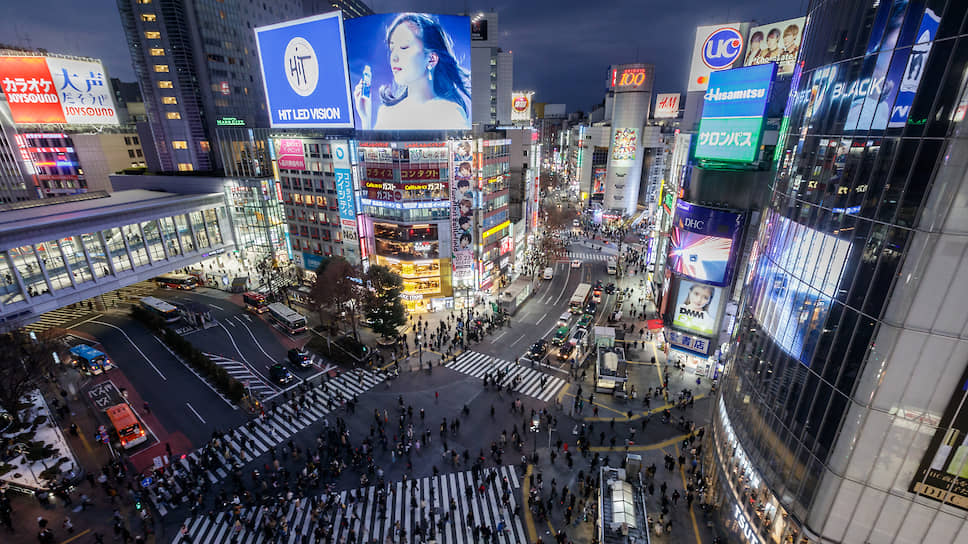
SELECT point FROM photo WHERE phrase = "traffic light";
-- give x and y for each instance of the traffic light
(137, 504)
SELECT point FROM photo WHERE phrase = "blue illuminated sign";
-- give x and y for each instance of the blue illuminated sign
(312, 261)
(732, 119)
(304, 72)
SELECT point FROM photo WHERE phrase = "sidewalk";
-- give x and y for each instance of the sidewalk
(106, 498)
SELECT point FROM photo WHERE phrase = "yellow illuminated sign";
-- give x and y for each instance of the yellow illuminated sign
(496, 229)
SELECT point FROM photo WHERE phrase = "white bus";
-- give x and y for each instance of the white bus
(162, 309)
(611, 266)
(177, 281)
(290, 320)
(578, 300)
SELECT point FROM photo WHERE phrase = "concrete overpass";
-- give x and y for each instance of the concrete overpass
(56, 254)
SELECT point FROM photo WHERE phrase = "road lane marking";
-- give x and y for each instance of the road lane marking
(498, 337)
(538, 322)
(214, 306)
(234, 344)
(133, 344)
(260, 345)
(194, 412)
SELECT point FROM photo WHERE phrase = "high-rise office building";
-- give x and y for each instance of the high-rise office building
(492, 71)
(843, 414)
(198, 67)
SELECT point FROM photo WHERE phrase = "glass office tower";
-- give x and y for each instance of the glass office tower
(843, 413)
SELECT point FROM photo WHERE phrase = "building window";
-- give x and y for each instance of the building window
(127, 140)
(157, 51)
(161, 68)
(166, 84)
(131, 153)
(138, 152)
(204, 145)
(173, 115)
(134, 140)
(144, 1)
(148, 17)
(185, 167)
(179, 144)
(152, 34)
(169, 100)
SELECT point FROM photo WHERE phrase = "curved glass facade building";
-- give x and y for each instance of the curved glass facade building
(843, 414)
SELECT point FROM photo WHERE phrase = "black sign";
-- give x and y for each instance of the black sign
(943, 474)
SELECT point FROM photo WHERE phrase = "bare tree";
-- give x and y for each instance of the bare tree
(337, 294)
(24, 362)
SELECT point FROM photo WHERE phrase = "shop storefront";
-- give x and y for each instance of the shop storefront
(745, 507)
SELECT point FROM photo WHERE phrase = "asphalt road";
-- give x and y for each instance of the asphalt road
(177, 396)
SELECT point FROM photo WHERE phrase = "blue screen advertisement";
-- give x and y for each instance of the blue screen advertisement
(410, 71)
(796, 279)
(304, 72)
(732, 118)
(702, 243)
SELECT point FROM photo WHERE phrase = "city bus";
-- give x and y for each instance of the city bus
(255, 302)
(177, 281)
(162, 309)
(89, 360)
(578, 300)
(290, 320)
(130, 431)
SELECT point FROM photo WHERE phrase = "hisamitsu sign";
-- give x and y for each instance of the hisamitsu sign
(732, 118)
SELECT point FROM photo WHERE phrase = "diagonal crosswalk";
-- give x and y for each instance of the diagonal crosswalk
(380, 514)
(477, 364)
(250, 440)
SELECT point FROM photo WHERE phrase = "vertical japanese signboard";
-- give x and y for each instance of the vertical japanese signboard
(462, 189)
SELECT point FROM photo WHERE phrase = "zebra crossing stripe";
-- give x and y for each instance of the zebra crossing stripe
(477, 364)
(363, 516)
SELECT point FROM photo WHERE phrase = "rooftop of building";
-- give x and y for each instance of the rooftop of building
(47, 212)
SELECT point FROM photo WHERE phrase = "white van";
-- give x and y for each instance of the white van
(548, 273)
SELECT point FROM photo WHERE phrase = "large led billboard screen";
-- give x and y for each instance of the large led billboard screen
(304, 72)
(697, 307)
(776, 42)
(797, 275)
(717, 47)
(732, 115)
(410, 71)
(702, 242)
(58, 91)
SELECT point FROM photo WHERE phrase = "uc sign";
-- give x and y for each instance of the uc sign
(722, 48)
(632, 77)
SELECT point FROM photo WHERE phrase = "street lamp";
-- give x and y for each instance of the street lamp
(535, 427)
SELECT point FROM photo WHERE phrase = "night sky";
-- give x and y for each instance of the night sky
(561, 48)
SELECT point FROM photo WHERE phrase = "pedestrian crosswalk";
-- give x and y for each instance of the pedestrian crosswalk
(281, 420)
(477, 364)
(396, 512)
(255, 383)
(70, 315)
(589, 256)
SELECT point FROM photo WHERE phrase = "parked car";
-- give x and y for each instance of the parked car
(280, 375)
(300, 358)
